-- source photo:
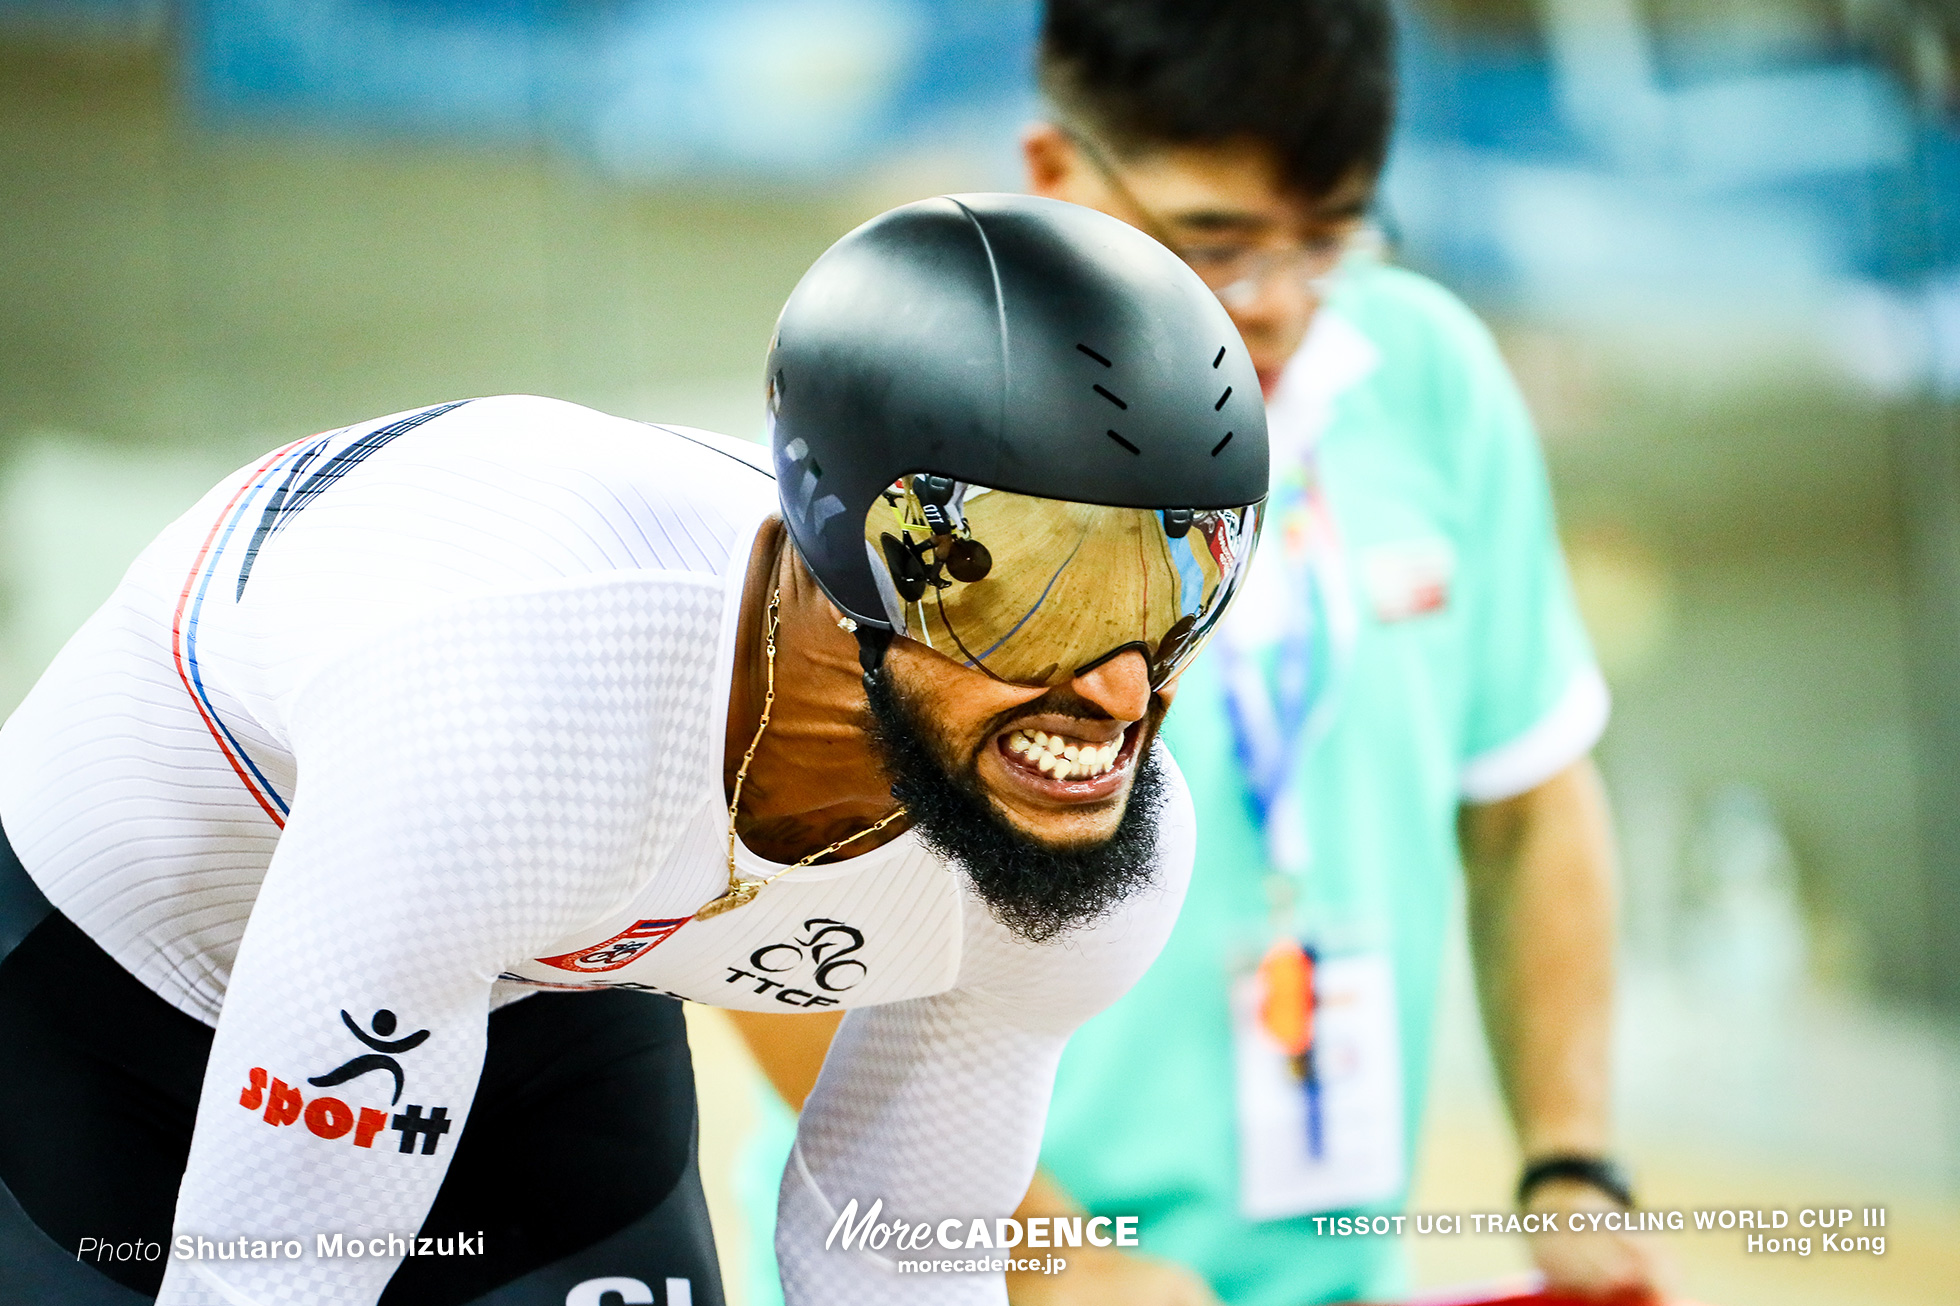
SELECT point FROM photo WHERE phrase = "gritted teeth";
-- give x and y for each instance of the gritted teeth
(1064, 758)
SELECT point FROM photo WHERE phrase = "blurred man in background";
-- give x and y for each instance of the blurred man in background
(1408, 691)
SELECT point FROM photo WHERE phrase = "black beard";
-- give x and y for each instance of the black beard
(1036, 890)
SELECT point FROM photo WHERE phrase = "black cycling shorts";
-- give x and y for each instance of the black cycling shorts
(577, 1163)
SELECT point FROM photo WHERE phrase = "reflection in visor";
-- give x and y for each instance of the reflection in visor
(1037, 590)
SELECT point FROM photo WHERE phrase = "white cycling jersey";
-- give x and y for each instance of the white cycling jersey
(412, 718)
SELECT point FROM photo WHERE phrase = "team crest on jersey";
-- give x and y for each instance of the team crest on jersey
(621, 949)
(826, 944)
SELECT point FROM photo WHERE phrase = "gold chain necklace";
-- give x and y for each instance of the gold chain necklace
(742, 891)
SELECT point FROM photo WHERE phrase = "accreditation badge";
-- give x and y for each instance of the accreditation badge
(1318, 1063)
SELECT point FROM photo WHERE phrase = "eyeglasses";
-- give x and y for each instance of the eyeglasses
(1038, 591)
(1238, 274)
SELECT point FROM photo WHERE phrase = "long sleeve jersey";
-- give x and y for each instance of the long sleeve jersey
(410, 719)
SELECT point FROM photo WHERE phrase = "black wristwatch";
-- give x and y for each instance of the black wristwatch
(1593, 1171)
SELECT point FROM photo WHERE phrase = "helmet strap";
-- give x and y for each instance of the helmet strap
(872, 643)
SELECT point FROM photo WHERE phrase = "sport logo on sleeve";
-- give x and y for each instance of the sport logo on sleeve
(330, 1117)
(621, 949)
(381, 1058)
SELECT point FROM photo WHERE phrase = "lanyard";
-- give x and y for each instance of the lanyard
(1282, 660)
(1279, 671)
(1287, 1004)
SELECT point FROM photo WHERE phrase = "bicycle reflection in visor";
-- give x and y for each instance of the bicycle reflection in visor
(1038, 591)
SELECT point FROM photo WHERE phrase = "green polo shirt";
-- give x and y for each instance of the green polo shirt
(1475, 693)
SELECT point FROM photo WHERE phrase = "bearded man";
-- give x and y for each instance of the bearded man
(357, 849)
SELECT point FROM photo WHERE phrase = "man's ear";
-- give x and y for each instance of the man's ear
(1053, 163)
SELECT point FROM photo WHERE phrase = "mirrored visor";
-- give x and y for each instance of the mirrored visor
(1037, 591)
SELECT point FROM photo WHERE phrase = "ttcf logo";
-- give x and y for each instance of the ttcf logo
(826, 944)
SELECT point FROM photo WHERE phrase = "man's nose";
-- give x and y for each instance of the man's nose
(1120, 686)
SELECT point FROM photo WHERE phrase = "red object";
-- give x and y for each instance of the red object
(1286, 1007)
(1559, 1299)
(621, 949)
(371, 1123)
(1502, 1295)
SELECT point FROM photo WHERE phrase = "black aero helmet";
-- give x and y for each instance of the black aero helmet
(1020, 431)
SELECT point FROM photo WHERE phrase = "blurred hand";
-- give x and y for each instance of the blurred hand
(1617, 1266)
(1104, 1276)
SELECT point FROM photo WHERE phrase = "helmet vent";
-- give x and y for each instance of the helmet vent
(1220, 446)
(1126, 444)
(1219, 359)
(1104, 361)
(1112, 398)
(1221, 399)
